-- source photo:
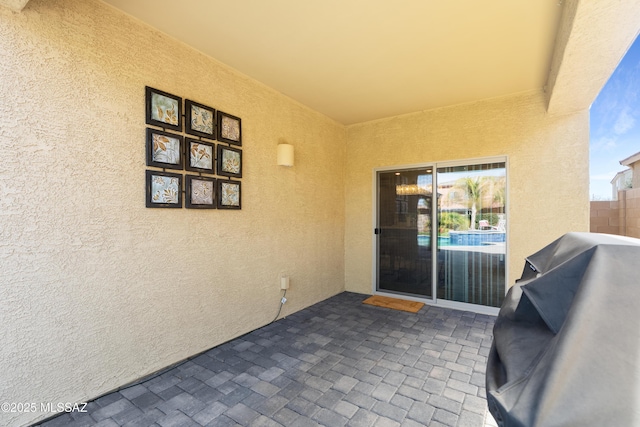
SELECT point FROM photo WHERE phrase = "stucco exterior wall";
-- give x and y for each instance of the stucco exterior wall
(548, 191)
(98, 290)
(635, 175)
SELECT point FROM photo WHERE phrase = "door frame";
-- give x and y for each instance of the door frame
(374, 239)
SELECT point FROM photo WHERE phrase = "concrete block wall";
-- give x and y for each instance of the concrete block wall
(633, 212)
(620, 217)
(605, 217)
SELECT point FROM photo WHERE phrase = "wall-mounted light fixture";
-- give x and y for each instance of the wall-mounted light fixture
(285, 155)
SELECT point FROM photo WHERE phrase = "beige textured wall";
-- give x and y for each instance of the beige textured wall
(635, 167)
(547, 170)
(97, 290)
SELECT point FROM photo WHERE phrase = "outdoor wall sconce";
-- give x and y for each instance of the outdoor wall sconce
(285, 155)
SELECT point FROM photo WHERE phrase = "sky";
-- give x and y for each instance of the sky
(615, 124)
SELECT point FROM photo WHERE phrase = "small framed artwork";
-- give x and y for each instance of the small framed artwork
(229, 128)
(200, 156)
(229, 161)
(200, 119)
(163, 109)
(164, 190)
(200, 192)
(164, 149)
(229, 195)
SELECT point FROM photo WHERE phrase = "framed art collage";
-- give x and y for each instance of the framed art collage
(169, 145)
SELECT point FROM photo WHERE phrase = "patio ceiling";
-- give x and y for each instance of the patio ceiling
(361, 60)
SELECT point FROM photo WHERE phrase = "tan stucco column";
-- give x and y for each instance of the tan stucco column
(15, 5)
(592, 38)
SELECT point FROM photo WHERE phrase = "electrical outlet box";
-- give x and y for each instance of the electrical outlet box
(284, 282)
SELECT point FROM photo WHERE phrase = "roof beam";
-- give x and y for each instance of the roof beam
(592, 39)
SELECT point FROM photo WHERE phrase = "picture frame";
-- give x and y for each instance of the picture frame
(229, 128)
(163, 189)
(163, 109)
(200, 120)
(229, 194)
(164, 149)
(229, 161)
(200, 192)
(200, 156)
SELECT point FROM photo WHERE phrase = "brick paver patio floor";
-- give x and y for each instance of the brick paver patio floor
(336, 363)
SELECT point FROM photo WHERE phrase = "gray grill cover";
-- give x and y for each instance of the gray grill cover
(566, 344)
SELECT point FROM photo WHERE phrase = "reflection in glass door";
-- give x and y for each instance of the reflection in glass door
(466, 263)
(472, 233)
(404, 231)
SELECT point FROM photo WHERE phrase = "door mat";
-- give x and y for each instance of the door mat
(394, 303)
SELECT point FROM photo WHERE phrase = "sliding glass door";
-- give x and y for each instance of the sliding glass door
(448, 244)
(404, 231)
(472, 233)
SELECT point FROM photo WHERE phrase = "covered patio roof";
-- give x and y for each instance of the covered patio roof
(358, 61)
